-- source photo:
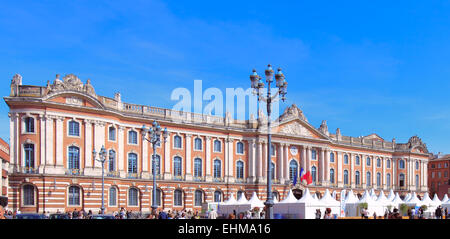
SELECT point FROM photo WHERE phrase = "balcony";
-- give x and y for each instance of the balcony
(157, 177)
(358, 186)
(239, 180)
(218, 180)
(113, 174)
(276, 181)
(198, 179)
(177, 178)
(28, 170)
(73, 171)
(133, 175)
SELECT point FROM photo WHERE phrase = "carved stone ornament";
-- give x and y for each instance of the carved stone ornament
(296, 129)
(71, 82)
(294, 150)
(292, 112)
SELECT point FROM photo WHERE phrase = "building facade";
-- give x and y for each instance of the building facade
(4, 165)
(55, 128)
(438, 173)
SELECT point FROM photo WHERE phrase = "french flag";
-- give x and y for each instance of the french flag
(305, 176)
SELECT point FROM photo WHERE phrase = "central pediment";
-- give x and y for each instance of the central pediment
(295, 128)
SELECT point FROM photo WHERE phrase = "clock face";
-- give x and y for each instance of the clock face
(293, 150)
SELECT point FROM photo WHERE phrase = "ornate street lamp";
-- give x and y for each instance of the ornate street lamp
(102, 159)
(154, 137)
(258, 89)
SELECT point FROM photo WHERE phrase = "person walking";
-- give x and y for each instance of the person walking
(318, 214)
(2, 212)
(445, 213)
(327, 214)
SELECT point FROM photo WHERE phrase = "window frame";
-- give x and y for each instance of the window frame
(130, 138)
(80, 196)
(129, 195)
(24, 194)
(214, 145)
(109, 133)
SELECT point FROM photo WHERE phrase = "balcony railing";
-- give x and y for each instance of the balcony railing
(114, 174)
(73, 171)
(133, 175)
(198, 179)
(276, 181)
(218, 180)
(29, 170)
(157, 176)
(239, 180)
(177, 178)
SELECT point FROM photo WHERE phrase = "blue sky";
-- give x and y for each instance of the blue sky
(364, 66)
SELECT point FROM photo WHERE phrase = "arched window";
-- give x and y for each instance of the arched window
(331, 175)
(74, 158)
(240, 169)
(217, 169)
(133, 195)
(345, 159)
(112, 196)
(112, 161)
(313, 154)
(378, 179)
(368, 161)
(74, 196)
(357, 182)
(132, 137)
(378, 163)
(112, 133)
(217, 146)
(74, 128)
(177, 142)
(177, 166)
(240, 148)
(388, 163)
(401, 164)
(293, 169)
(156, 163)
(417, 180)
(178, 198)
(388, 179)
(401, 180)
(198, 144)
(314, 174)
(197, 167)
(198, 198)
(332, 157)
(357, 160)
(272, 170)
(217, 196)
(28, 195)
(345, 177)
(29, 125)
(132, 163)
(368, 179)
(29, 157)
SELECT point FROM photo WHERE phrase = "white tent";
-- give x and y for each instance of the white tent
(391, 195)
(414, 200)
(382, 200)
(445, 199)
(407, 197)
(227, 206)
(426, 200)
(372, 205)
(373, 194)
(396, 202)
(436, 201)
(351, 205)
(314, 196)
(306, 206)
(333, 194)
(285, 206)
(255, 202)
(327, 201)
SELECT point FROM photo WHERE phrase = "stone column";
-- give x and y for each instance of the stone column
(59, 145)
(208, 159)
(99, 141)
(303, 158)
(264, 162)
(322, 166)
(49, 161)
(120, 155)
(167, 157)
(259, 161)
(327, 168)
(280, 162)
(230, 161)
(13, 135)
(383, 178)
(351, 174)
(146, 159)
(188, 173)
(88, 163)
(286, 163)
(394, 173)
(339, 167)
(308, 158)
(42, 162)
(363, 169)
(426, 177)
(252, 160)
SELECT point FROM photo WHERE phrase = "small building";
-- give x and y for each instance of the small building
(438, 173)
(4, 165)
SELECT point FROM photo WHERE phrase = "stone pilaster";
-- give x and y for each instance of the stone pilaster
(208, 159)
(121, 154)
(188, 147)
